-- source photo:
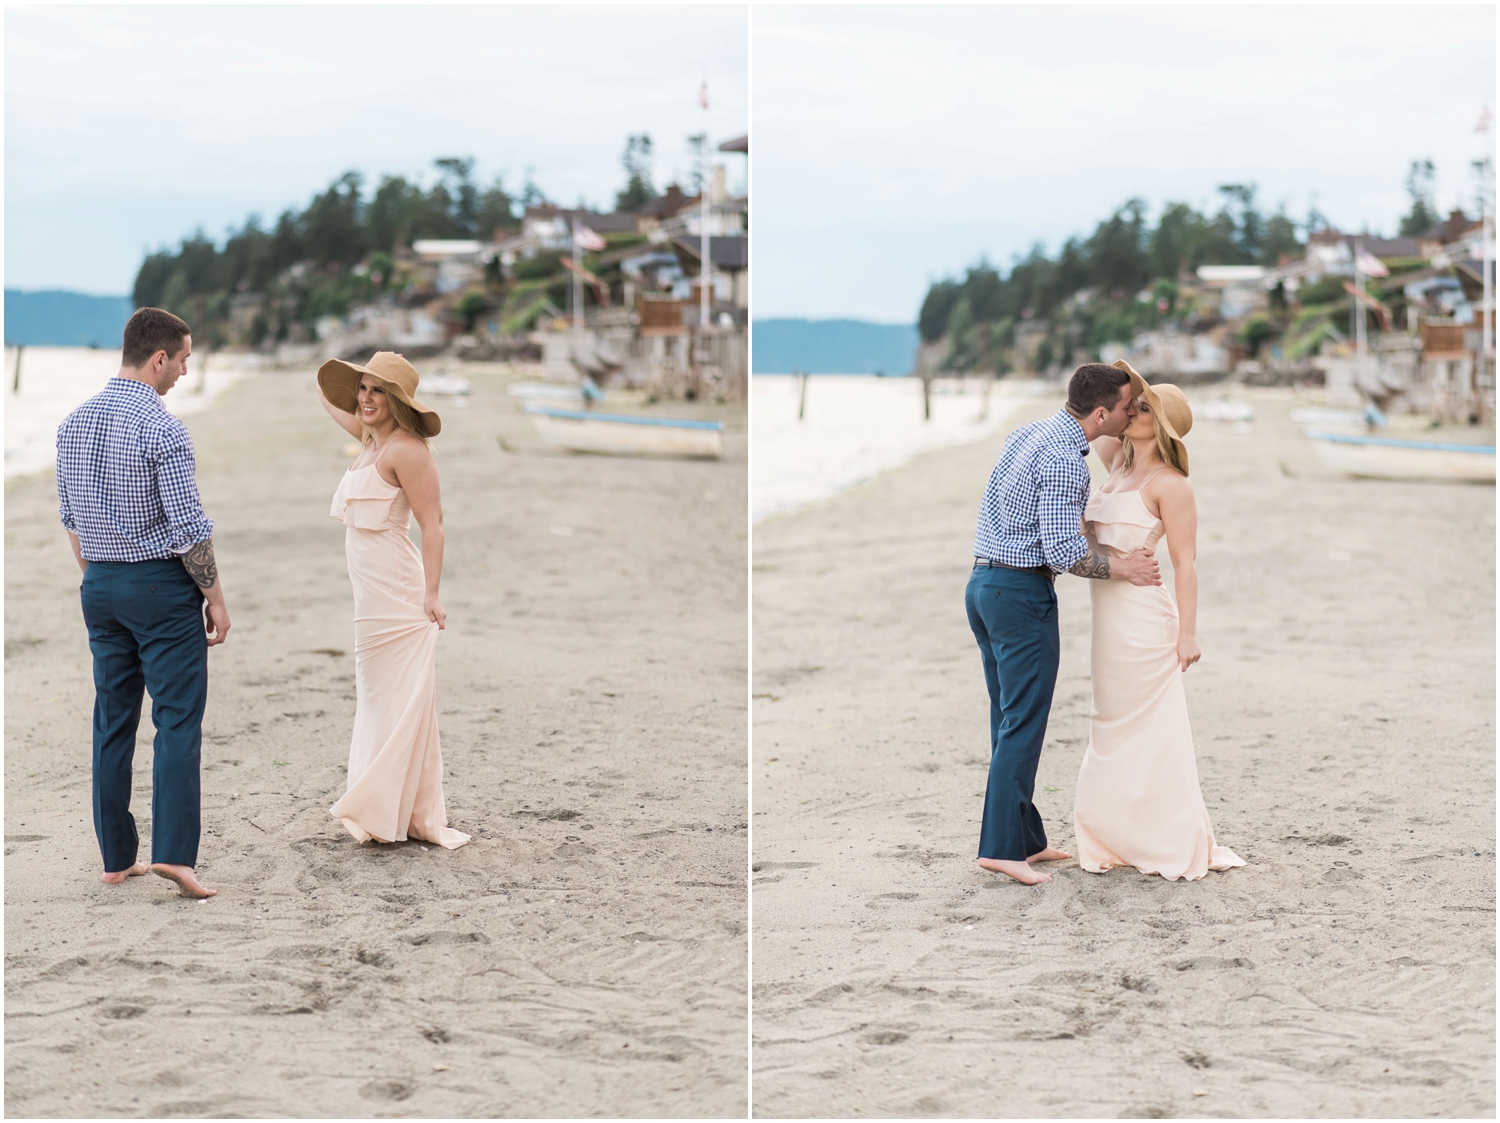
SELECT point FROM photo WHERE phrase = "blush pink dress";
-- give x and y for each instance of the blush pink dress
(1138, 802)
(395, 764)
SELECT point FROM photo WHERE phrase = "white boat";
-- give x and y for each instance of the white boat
(545, 391)
(1387, 458)
(620, 434)
(1225, 410)
(1341, 418)
(445, 384)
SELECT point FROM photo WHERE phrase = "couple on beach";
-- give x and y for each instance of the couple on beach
(1137, 802)
(153, 602)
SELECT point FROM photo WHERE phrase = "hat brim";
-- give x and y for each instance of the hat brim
(339, 381)
(1154, 400)
(1138, 385)
(1144, 389)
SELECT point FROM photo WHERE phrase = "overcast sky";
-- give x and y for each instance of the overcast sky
(128, 127)
(895, 145)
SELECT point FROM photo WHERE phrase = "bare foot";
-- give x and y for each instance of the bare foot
(187, 884)
(120, 875)
(1049, 855)
(1018, 870)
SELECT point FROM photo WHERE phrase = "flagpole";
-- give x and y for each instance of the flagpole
(705, 270)
(577, 286)
(1359, 312)
(1487, 329)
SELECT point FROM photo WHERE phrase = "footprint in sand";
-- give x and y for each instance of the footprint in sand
(387, 1090)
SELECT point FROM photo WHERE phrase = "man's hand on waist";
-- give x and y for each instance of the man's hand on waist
(1138, 567)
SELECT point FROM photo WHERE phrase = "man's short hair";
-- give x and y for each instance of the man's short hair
(1094, 385)
(151, 330)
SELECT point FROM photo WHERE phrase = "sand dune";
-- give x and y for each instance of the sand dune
(1343, 718)
(585, 955)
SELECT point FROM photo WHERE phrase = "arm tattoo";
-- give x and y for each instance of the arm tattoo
(200, 564)
(1092, 565)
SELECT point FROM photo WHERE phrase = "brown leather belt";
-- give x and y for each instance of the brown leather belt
(1045, 571)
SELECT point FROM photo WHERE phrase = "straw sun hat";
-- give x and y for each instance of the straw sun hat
(1169, 404)
(340, 383)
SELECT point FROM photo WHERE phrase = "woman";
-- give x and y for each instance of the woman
(1138, 802)
(395, 766)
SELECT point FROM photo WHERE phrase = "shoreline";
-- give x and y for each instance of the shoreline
(1347, 971)
(57, 380)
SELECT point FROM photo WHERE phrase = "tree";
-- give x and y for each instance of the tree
(470, 307)
(496, 211)
(332, 229)
(638, 189)
(1245, 220)
(1118, 281)
(1117, 249)
(1169, 249)
(531, 194)
(388, 217)
(1423, 214)
(460, 193)
(932, 320)
(1280, 237)
(151, 279)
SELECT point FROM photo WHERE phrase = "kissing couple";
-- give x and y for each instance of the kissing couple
(154, 604)
(1138, 802)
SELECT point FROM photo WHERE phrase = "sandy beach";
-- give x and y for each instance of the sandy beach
(1343, 720)
(583, 956)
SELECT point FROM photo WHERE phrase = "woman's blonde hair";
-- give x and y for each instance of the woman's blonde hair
(1164, 445)
(406, 418)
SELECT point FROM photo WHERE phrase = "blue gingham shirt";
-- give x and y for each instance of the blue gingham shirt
(125, 477)
(1032, 511)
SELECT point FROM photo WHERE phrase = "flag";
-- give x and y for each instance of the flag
(703, 94)
(599, 287)
(1382, 313)
(584, 238)
(1370, 265)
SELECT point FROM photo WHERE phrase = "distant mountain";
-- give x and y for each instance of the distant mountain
(65, 319)
(832, 347)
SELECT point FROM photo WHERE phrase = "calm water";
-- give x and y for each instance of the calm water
(857, 426)
(55, 380)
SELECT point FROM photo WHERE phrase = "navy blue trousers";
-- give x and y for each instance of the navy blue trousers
(145, 622)
(1013, 613)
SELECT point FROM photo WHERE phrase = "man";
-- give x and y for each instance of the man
(151, 595)
(1030, 530)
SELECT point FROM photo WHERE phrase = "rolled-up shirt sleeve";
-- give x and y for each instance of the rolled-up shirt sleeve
(64, 506)
(187, 523)
(1062, 491)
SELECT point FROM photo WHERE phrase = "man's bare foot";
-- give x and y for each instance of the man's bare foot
(1018, 870)
(1049, 855)
(187, 884)
(120, 875)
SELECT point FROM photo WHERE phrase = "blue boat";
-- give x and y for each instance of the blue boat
(1390, 458)
(620, 434)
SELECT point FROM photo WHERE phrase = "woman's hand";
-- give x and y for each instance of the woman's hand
(1187, 652)
(434, 609)
(346, 420)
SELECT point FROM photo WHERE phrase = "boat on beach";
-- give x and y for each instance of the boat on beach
(619, 434)
(1389, 458)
